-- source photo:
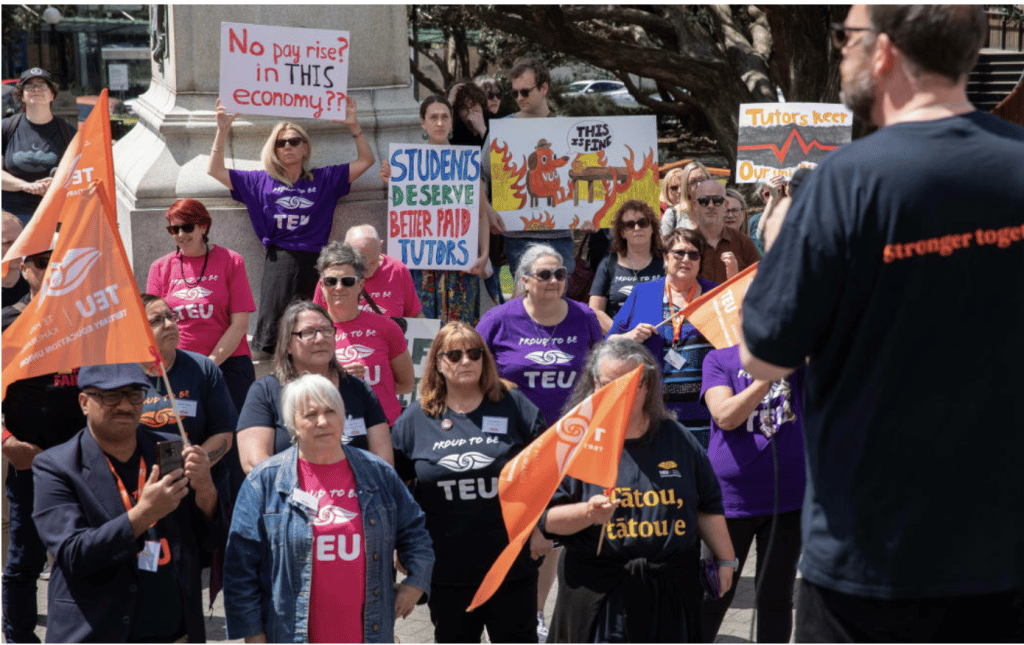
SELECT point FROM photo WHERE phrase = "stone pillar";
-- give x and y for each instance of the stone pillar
(164, 157)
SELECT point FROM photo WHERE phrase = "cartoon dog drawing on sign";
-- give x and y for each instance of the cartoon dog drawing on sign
(542, 175)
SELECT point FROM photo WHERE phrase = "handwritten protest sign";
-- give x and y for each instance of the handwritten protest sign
(283, 71)
(418, 336)
(433, 202)
(778, 138)
(549, 174)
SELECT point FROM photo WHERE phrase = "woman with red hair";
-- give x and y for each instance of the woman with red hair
(207, 289)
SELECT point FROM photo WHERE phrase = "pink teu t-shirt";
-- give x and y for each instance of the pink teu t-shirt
(204, 310)
(374, 341)
(391, 288)
(337, 590)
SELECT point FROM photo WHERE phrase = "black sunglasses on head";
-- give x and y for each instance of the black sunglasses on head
(291, 141)
(455, 355)
(345, 280)
(185, 228)
(707, 199)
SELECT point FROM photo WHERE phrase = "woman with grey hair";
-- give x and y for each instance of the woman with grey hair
(306, 346)
(309, 551)
(291, 207)
(643, 583)
(368, 345)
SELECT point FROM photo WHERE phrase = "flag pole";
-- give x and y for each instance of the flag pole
(669, 318)
(170, 393)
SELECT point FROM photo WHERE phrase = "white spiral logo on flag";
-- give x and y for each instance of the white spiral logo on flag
(71, 271)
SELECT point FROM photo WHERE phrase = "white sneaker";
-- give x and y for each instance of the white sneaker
(542, 628)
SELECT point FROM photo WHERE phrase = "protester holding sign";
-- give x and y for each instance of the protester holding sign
(291, 208)
(677, 345)
(368, 345)
(306, 345)
(208, 289)
(449, 295)
(454, 440)
(641, 582)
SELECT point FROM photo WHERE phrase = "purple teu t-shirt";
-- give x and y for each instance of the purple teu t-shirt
(298, 218)
(543, 361)
(742, 458)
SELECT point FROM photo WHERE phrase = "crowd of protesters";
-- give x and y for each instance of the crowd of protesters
(329, 510)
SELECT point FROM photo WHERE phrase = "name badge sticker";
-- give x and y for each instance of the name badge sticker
(187, 408)
(149, 557)
(306, 499)
(495, 425)
(675, 359)
(355, 427)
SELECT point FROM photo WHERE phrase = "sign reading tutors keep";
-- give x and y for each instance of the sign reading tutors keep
(283, 71)
(433, 201)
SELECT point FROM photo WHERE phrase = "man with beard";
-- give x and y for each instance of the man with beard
(899, 272)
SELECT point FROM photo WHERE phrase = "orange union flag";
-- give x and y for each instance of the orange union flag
(717, 313)
(585, 444)
(88, 311)
(87, 159)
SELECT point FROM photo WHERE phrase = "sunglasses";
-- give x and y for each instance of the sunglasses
(291, 141)
(310, 334)
(686, 255)
(526, 92)
(717, 199)
(841, 34)
(494, 94)
(455, 355)
(643, 222)
(544, 275)
(345, 280)
(184, 228)
(159, 321)
(111, 398)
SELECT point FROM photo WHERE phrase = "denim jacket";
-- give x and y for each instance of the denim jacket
(268, 566)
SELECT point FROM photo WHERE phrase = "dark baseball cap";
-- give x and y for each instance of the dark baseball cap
(112, 377)
(36, 72)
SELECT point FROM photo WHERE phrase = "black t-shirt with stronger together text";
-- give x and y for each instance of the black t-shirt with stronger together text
(456, 460)
(900, 272)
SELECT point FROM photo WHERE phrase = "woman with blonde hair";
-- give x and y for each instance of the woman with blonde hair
(678, 213)
(736, 216)
(453, 441)
(291, 208)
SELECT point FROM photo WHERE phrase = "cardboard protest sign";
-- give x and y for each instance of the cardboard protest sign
(283, 71)
(551, 174)
(778, 138)
(433, 205)
(419, 335)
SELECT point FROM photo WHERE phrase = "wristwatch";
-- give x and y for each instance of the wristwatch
(733, 564)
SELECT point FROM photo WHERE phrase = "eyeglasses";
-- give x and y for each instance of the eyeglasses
(159, 321)
(310, 333)
(841, 34)
(291, 141)
(185, 228)
(493, 94)
(707, 199)
(35, 87)
(734, 211)
(111, 398)
(455, 355)
(643, 222)
(685, 255)
(524, 93)
(544, 275)
(346, 281)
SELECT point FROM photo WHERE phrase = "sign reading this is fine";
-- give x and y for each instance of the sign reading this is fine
(284, 71)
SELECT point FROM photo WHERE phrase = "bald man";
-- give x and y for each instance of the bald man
(388, 282)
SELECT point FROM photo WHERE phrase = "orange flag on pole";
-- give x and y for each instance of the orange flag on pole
(586, 444)
(87, 159)
(88, 311)
(717, 313)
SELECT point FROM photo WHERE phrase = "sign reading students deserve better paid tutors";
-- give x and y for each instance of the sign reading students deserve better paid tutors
(433, 205)
(283, 71)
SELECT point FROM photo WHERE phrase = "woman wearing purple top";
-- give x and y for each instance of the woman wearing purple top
(540, 342)
(757, 452)
(291, 208)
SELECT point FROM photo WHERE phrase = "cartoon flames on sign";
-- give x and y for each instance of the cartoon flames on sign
(507, 179)
(544, 222)
(642, 185)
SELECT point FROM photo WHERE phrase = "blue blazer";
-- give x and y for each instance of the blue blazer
(81, 519)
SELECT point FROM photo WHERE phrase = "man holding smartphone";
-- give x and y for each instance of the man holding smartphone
(126, 536)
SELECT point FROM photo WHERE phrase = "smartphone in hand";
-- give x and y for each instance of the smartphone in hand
(169, 456)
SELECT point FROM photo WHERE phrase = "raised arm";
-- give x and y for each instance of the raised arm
(215, 168)
(366, 158)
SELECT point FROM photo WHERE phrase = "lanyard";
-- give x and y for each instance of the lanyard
(125, 497)
(677, 321)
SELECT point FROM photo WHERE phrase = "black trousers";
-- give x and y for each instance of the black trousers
(287, 275)
(510, 615)
(827, 616)
(775, 602)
